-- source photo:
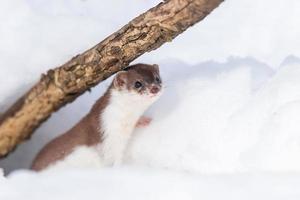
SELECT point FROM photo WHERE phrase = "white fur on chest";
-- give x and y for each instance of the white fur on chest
(118, 121)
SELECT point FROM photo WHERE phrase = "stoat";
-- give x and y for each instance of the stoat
(106, 129)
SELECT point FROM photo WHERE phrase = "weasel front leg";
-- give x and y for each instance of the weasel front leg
(113, 148)
(115, 143)
(143, 121)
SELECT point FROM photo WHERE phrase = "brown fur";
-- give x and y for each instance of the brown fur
(87, 132)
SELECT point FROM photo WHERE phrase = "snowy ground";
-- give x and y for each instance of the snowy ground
(140, 183)
(226, 127)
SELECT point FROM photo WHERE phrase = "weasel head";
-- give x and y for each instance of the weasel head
(141, 81)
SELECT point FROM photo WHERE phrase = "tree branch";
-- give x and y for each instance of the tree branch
(62, 85)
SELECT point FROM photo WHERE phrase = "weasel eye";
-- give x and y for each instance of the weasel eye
(138, 84)
(157, 80)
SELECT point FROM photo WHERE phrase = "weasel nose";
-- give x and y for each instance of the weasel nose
(154, 90)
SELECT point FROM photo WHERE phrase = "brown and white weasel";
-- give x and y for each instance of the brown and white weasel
(101, 137)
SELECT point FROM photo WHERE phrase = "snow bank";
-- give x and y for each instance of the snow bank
(141, 183)
(223, 123)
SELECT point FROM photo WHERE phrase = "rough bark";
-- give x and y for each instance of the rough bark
(63, 84)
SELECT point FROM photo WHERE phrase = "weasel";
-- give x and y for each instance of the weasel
(104, 132)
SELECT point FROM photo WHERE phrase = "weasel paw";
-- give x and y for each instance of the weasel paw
(143, 121)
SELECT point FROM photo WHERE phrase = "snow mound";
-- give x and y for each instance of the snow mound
(141, 183)
(224, 123)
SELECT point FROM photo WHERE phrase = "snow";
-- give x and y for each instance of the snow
(230, 125)
(226, 126)
(142, 183)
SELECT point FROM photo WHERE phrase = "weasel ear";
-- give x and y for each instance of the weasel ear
(156, 67)
(120, 79)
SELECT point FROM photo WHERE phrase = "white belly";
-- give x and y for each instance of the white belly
(82, 157)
